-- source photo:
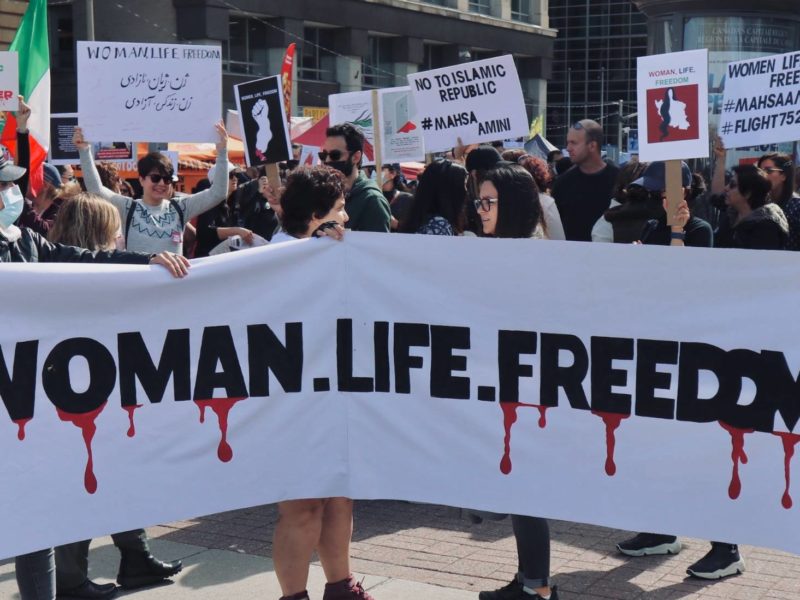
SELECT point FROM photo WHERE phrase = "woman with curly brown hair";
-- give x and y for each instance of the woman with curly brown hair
(313, 205)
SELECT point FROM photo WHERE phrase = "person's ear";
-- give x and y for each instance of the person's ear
(356, 157)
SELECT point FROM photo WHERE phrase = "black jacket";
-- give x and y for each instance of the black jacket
(32, 247)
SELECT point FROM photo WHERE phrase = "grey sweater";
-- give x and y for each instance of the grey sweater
(157, 228)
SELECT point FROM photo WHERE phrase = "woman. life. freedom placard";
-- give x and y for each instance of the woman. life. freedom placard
(673, 105)
(149, 92)
(479, 101)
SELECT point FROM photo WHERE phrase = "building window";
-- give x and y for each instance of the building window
(433, 58)
(376, 67)
(62, 39)
(246, 49)
(314, 63)
(483, 7)
(521, 10)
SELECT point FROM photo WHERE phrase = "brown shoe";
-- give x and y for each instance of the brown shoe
(346, 589)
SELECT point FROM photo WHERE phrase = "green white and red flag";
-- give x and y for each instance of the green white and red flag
(31, 43)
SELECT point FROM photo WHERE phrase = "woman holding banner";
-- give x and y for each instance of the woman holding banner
(313, 206)
(508, 207)
(157, 221)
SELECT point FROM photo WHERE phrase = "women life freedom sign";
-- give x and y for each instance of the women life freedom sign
(672, 92)
(152, 92)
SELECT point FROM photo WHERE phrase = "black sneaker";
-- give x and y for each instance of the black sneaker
(508, 592)
(722, 560)
(514, 591)
(645, 544)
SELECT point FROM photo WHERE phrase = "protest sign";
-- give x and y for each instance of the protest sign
(672, 92)
(398, 392)
(64, 152)
(480, 101)
(355, 108)
(149, 92)
(400, 134)
(262, 115)
(9, 81)
(761, 101)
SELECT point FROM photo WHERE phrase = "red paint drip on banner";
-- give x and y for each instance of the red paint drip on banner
(737, 455)
(221, 407)
(509, 418)
(21, 428)
(789, 442)
(131, 425)
(612, 422)
(86, 423)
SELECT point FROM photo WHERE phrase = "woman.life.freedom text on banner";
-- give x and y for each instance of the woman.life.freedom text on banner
(515, 363)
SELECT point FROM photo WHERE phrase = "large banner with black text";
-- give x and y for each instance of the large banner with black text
(646, 388)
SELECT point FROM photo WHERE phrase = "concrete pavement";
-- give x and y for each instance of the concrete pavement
(417, 551)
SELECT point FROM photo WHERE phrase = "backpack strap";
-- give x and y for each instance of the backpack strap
(178, 210)
(129, 219)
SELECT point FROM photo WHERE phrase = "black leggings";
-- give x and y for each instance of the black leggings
(533, 549)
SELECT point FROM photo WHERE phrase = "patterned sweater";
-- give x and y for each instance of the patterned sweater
(158, 228)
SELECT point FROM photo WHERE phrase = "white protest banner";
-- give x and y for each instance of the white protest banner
(149, 92)
(672, 92)
(401, 137)
(9, 81)
(480, 101)
(262, 115)
(64, 152)
(400, 382)
(355, 108)
(762, 101)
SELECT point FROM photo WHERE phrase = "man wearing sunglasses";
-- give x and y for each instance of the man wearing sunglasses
(365, 204)
(156, 222)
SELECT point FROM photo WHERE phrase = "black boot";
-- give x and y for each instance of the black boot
(140, 569)
(89, 590)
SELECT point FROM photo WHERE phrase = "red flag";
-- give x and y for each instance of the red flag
(286, 78)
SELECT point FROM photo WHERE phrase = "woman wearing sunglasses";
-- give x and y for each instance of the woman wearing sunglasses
(155, 223)
(508, 207)
(780, 172)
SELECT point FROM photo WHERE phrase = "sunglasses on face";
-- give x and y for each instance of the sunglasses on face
(484, 204)
(334, 155)
(157, 178)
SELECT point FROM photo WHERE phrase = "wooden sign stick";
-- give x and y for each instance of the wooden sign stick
(376, 138)
(274, 177)
(674, 188)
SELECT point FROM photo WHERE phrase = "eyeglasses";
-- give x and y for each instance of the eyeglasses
(772, 169)
(484, 204)
(334, 154)
(157, 178)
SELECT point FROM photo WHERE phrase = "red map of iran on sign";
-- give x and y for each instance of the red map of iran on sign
(672, 114)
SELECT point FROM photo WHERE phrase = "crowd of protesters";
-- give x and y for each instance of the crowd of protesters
(474, 191)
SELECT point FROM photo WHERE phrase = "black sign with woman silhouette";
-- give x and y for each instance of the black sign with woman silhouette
(263, 119)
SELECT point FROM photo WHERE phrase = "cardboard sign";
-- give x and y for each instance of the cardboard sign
(355, 108)
(262, 116)
(400, 134)
(64, 152)
(149, 92)
(479, 101)
(761, 102)
(673, 108)
(9, 81)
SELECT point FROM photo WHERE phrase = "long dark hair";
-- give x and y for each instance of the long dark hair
(518, 208)
(785, 164)
(753, 184)
(440, 192)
